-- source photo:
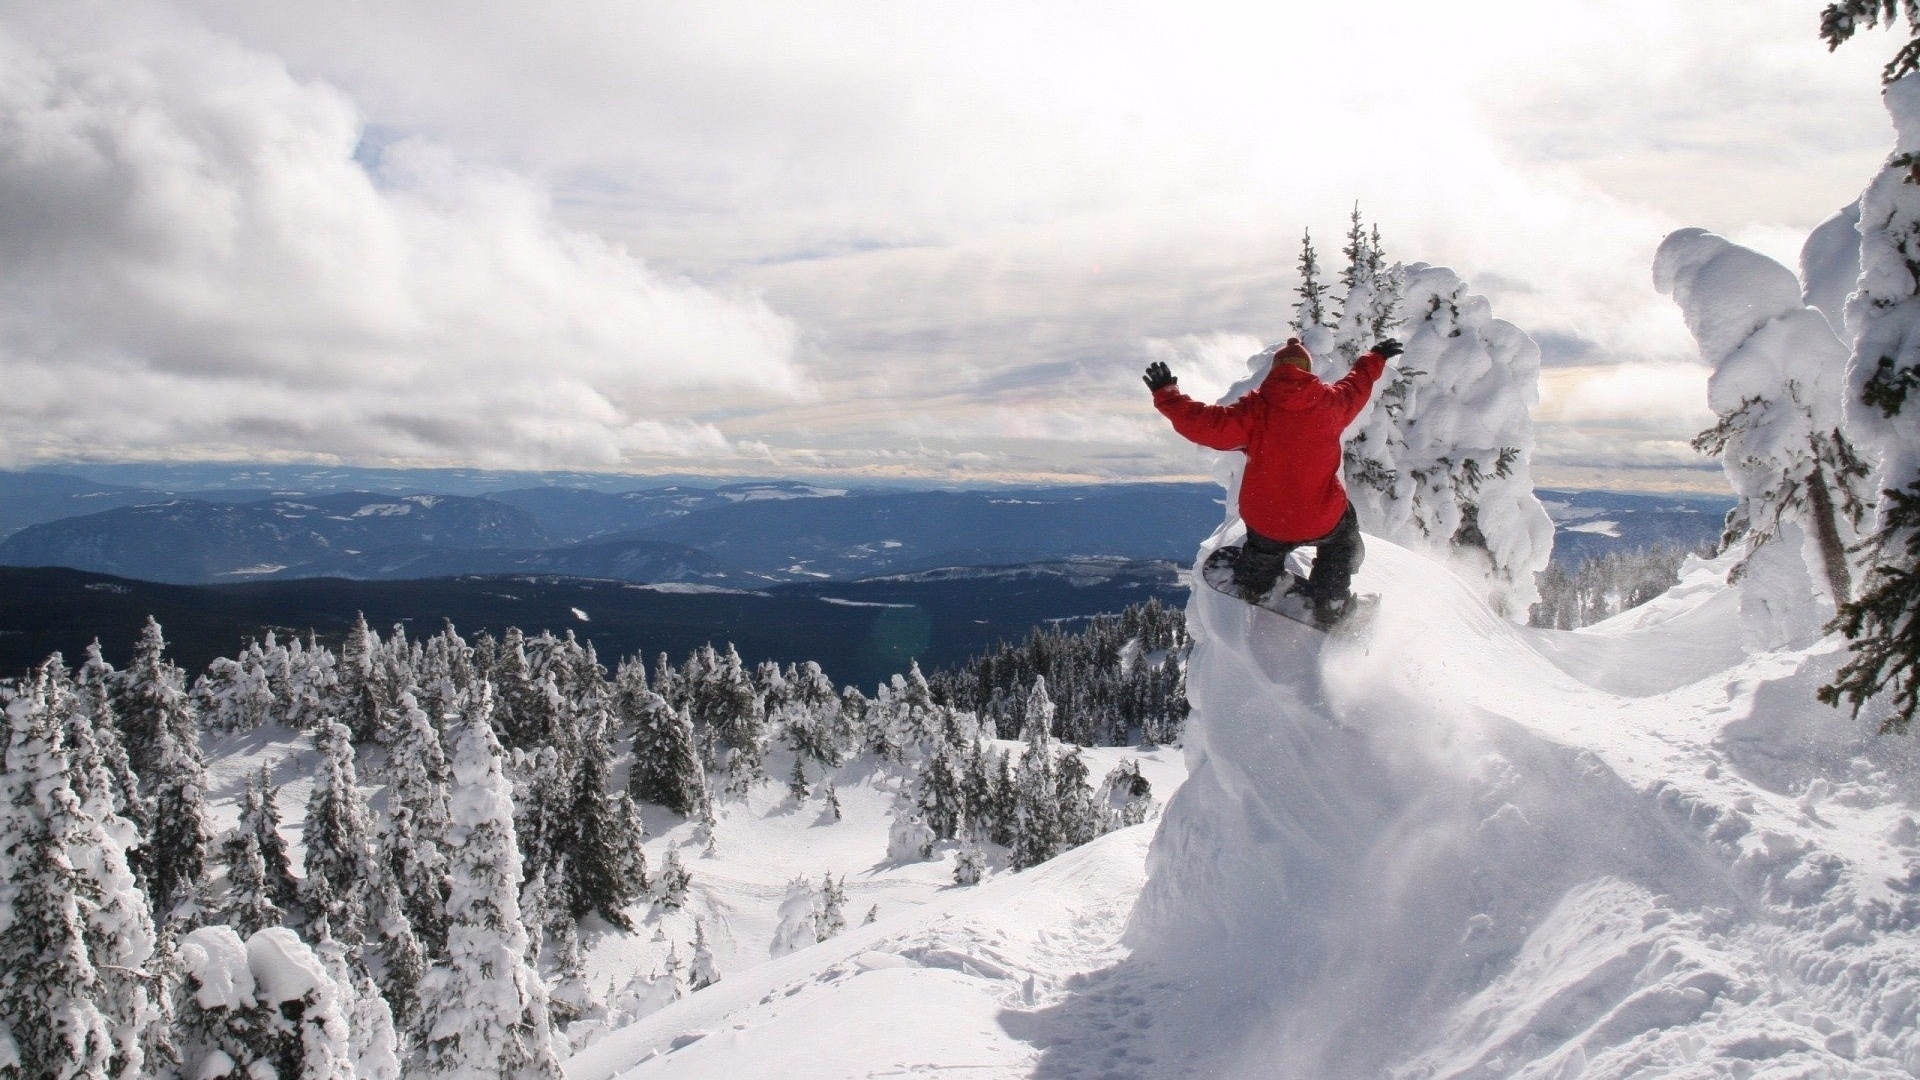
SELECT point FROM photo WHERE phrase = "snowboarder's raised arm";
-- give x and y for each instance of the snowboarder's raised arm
(1217, 427)
(1353, 389)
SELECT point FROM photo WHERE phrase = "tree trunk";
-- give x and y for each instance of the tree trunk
(1826, 531)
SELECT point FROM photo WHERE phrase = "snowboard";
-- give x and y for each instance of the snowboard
(1283, 600)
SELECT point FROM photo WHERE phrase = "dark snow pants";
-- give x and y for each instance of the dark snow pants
(1336, 556)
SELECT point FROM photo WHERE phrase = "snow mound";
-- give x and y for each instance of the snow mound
(1455, 847)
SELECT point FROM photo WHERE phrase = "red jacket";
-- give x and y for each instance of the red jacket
(1290, 428)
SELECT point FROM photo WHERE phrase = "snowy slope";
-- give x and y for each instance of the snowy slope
(1447, 847)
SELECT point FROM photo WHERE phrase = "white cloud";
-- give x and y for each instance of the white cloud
(975, 222)
(198, 264)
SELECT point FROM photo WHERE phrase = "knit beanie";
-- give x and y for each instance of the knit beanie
(1294, 353)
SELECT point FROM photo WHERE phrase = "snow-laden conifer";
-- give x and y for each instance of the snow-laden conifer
(265, 1006)
(179, 847)
(414, 829)
(670, 885)
(50, 989)
(1036, 810)
(798, 918)
(665, 769)
(1778, 388)
(605, 868)
(1882, 316)
(702, 971)
(485, 1007)
(248, 905)
(338, 834)
(1441, 461)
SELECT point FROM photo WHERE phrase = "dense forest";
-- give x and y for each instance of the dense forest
(473, 803)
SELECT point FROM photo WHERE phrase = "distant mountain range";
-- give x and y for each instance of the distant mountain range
(739, 534)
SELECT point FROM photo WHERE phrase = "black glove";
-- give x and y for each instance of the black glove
(1389, 348)
(1158, 375)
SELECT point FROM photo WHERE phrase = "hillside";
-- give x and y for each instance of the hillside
(1447, 847)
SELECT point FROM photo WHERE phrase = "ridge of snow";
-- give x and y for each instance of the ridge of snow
(1453, 847)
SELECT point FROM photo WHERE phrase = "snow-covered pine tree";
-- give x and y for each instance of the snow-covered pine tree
(93, 687)
(1036, 817)
(120, 934)
(727, 704)
(484, 1006)
(941, 791)
(797, 786)
(248, 905)
(50, 988)
(1125, 796)
(338, 839)
(1370, 302)
(262, 1007)
(702, 972)
(148, 697)
(671, 883)
(798, 919)
(1311, 312)
(180, 844)
(234, 694)
(908, 837)
(830, 915)
(414, 829)
(1778, 388)
(394, 960)
(665, 769)
(282, 886)
(605, 865)
(1882, 674)
(809, 716)
(1441, 462)
(1079, 819)
(971, 864)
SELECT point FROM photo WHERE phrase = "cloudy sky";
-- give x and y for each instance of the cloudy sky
(880, 239)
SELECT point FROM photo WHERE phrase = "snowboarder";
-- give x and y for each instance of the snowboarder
(1291, 494)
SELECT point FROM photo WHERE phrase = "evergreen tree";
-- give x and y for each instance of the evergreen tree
(93, 687)
(1036, 820)
(1778, 388)
(671, 884)
(1880, 624)
(1311, 313)
(665, 770)
(484, 1007)
(1125, 797)
(1441, 462)
(701, 971)
(908, 837)
(282, 887)
(266, 1006)
(414, 830)
(830, 917)
(798, 919)
(50, 989)
(809, 716)
(605, 867)
(339, 855)
(180, 846)
(797, 787)
(149, 698)
(1840, 20)
(1079, 819)
(397, 960)
(249, 905)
